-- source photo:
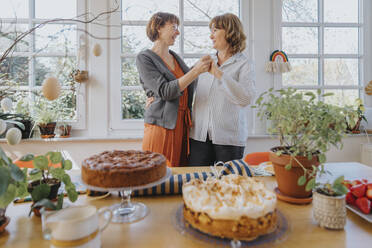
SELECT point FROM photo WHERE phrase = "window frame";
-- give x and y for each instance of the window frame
(135, 127)
(31, 55)
(362, 26)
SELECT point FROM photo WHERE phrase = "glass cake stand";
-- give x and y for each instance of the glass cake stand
(127, 211)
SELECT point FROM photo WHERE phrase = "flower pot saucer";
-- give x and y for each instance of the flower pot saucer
(293, 200)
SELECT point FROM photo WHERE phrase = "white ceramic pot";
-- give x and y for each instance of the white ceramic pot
(329, 211)
(76, 226)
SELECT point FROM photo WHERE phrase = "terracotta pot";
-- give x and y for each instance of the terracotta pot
(65, 131)
(287, 179)
(47, 130)
(329, 211)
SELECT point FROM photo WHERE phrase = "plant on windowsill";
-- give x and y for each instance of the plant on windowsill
(46, 119)
(329, 206)
(13, 184)
(354, 125)
(46, 178)
(307, 128)
(64, 130)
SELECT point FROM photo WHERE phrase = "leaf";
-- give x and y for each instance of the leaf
(41, 162)
(27, 157)
(45, 203)
(310, 184)
(4, 180)
(288, 167)
(66, 179)
(4, 157)
(8, 197)
(338, 181)
(68, 165)
(22, 189)
(60, 201)
(35, 177)
(55, 157)
(34, 171)
(40, 192)
(301, 180)
(72, 195)
(57, 173)
(322, 158)
(16, 173)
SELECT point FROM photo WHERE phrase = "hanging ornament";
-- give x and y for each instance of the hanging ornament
(368, 88)
(2, 126)
(97, 50)
(6, 104)
(278, 62)
(13, 136)
(51, 88)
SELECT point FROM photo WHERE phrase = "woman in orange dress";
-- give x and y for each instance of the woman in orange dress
(170, 83)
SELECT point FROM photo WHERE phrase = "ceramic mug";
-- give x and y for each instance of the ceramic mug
(76, 226)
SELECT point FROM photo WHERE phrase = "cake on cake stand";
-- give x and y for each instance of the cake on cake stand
(127, 211)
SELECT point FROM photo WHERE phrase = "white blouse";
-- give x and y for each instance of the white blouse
(220, 106)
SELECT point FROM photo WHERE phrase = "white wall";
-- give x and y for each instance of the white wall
(99, 137)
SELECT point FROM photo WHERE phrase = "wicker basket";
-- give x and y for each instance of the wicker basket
(329, 211)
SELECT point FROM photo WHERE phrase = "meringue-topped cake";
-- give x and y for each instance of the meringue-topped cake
(234, 207)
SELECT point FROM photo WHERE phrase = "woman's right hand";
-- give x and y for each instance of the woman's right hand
(149, 100)
(203, 64)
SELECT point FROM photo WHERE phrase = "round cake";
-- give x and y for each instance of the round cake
(116, 169)
(233, 207)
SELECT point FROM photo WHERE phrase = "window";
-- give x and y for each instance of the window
(323, 40)
(192, 43)
(50, 50)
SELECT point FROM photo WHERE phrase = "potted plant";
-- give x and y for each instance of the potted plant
(307, 128)
(23, 115)
(64, 130)
(12, 184)
(46, 177)
(45, 118)
(329, 206)
(353, 126)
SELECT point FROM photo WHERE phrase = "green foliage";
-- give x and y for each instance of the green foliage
(337, 188)
(305, 125)
(44, 173)
(12, 180)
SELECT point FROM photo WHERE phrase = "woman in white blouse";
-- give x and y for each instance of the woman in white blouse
(220, 109)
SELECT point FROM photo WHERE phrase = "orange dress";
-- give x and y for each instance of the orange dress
(172, 143)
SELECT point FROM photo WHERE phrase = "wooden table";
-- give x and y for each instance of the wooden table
(158, 229)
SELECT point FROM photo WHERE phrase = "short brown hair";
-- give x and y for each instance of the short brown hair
(233, 27)
(157, 21)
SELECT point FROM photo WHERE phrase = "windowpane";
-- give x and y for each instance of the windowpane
(55, 38)
(300, 40)
(341, 40)
(191, 61)
(15, 70)
(133, 104)
(341, 11)
(342, 97)
(304, 72)
(201, 10)
(197, 40)
(300, 11)
(14, 9)
(59, 67)
(144, 9)
(341, 71)
(51, 9)
(129, 73)
(8, 33)
(64, 105)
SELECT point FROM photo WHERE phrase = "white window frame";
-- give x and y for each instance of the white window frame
(80, 122)
(135, 126)
(362, 24)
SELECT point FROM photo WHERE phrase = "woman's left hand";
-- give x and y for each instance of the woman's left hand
(215, 71)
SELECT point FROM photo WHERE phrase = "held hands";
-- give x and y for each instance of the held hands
(203, 65)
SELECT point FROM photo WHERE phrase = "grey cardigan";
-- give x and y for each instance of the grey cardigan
(159, 82)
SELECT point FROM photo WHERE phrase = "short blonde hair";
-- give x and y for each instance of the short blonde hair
(157, 21)
(233, 27)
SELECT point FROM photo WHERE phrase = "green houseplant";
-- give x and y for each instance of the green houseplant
(12, 184)
(46, 177)
(307, 128)
(45, 118)
(353, 126)
(329, 208)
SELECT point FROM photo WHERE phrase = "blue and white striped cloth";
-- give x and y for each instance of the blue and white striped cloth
(174, 184)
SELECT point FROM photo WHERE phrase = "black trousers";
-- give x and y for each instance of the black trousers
(207, 153)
